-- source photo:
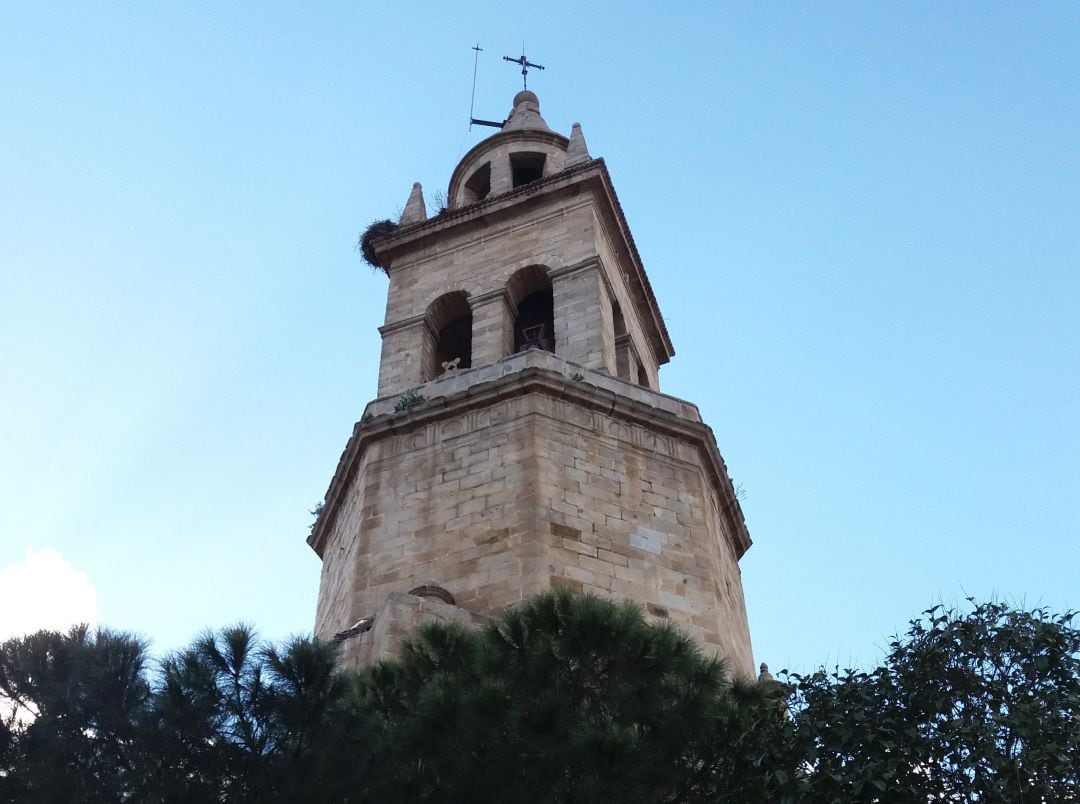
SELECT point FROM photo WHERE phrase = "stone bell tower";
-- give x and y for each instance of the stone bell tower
(520, 440)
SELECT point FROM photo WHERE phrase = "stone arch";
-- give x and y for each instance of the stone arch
(550, 263)
(618, 323)
(627, 361)
(432, 589)
(533, 298)
(449, 320)
(478, 186)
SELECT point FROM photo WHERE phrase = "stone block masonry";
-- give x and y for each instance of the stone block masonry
(508, 486)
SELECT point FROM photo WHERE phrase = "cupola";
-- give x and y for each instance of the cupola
(525, 151)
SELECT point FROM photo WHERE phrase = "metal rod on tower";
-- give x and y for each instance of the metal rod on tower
(472, 120)
(472, 100)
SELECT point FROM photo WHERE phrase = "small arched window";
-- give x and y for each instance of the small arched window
(451, 320)
(534, 326)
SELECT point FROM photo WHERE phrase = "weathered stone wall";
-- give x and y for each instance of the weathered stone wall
(345, 549)
(453, 502)
(506, 499)
(395, 621)
(478, 259)
(566, 238)
(631, 514)
(614, 268)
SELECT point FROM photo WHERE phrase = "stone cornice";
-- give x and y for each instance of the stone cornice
(382, 421)
(421, 320)
(592, 262)
(387, 247)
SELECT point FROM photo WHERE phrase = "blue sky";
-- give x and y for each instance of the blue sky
(862, 223)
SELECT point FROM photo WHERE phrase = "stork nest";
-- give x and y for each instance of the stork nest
(376, 231)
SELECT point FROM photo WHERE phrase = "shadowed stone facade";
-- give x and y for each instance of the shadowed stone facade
(553, 459)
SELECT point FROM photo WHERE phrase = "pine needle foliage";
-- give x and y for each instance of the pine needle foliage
(234, 719)
(228, 719)
(568, 698)
(70, 704)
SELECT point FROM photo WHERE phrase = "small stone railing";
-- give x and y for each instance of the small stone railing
(455, 382)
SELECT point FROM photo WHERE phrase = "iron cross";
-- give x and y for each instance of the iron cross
(525, 65)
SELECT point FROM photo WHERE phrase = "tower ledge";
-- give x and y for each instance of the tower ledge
(540, 371)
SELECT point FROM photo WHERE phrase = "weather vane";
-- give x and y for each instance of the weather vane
(525, 65)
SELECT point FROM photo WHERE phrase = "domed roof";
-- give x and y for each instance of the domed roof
(526, 149)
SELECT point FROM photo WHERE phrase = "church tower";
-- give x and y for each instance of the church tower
(520, 440)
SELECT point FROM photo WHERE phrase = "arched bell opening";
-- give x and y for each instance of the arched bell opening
(534, 325)
(478, 185)
(617, 320)
(625, 365)
(451, 322)
(526, 167)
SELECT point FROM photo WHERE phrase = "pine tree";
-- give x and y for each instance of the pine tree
(568, 698)
(72, 703)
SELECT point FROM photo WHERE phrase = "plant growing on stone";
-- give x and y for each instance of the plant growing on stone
(316, 512)
(409, 399)
(440, 203)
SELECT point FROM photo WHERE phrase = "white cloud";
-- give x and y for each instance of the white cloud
(44, 591)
